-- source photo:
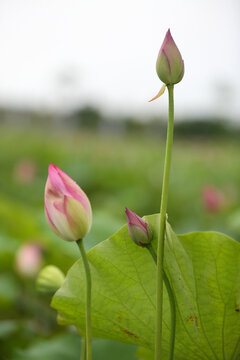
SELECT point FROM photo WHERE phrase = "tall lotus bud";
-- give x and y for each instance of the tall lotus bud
(50, 279)
(170, 65)
(67, 208)
(139, 230)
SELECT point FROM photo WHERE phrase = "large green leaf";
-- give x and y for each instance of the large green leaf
(144, 354)
(204, 270)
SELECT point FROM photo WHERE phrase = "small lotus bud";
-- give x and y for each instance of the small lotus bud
(50, 279)
(67, 208)
(139, 230)
(170, 65)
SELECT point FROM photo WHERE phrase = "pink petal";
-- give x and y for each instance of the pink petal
(55, 179)
(67, 186)
(49, 219)
(168, 37)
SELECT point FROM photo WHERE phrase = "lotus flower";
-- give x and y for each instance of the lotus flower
(170, 65)
(67, 208)
(139, 230)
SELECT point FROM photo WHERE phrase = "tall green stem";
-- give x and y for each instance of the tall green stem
(172, 305)
(83, 349)
(88, 301)
(162, 222)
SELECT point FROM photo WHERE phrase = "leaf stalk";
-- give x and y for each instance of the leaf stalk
(172, 305)
(88, 300)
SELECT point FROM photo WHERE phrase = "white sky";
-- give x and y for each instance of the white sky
(60, 52)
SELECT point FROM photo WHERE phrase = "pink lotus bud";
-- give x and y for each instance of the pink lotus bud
(139, 230)
(170, 65)
(28, 259)
(67, 208)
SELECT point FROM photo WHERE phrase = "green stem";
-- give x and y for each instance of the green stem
(88, 301)
(162, 222)
(172, 305)
(83, 349)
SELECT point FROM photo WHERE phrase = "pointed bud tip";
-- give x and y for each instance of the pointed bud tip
(52, 167)
(127, 212)
(168, 34)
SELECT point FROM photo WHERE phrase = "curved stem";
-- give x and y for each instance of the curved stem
(162, 222)
(172, 305)
(88, 301)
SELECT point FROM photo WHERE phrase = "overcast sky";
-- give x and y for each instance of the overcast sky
(61, 52)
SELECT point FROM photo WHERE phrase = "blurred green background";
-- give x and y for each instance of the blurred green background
(117, 165)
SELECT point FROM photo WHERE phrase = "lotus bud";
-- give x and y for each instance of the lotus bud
(170, 65)
(50, 279)
(139, 230)
(67, 208)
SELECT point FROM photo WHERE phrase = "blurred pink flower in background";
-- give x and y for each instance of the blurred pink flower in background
(28, 259)
(25, 171)
(213, 199)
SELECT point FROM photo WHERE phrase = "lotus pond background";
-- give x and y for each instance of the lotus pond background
(116, 169)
